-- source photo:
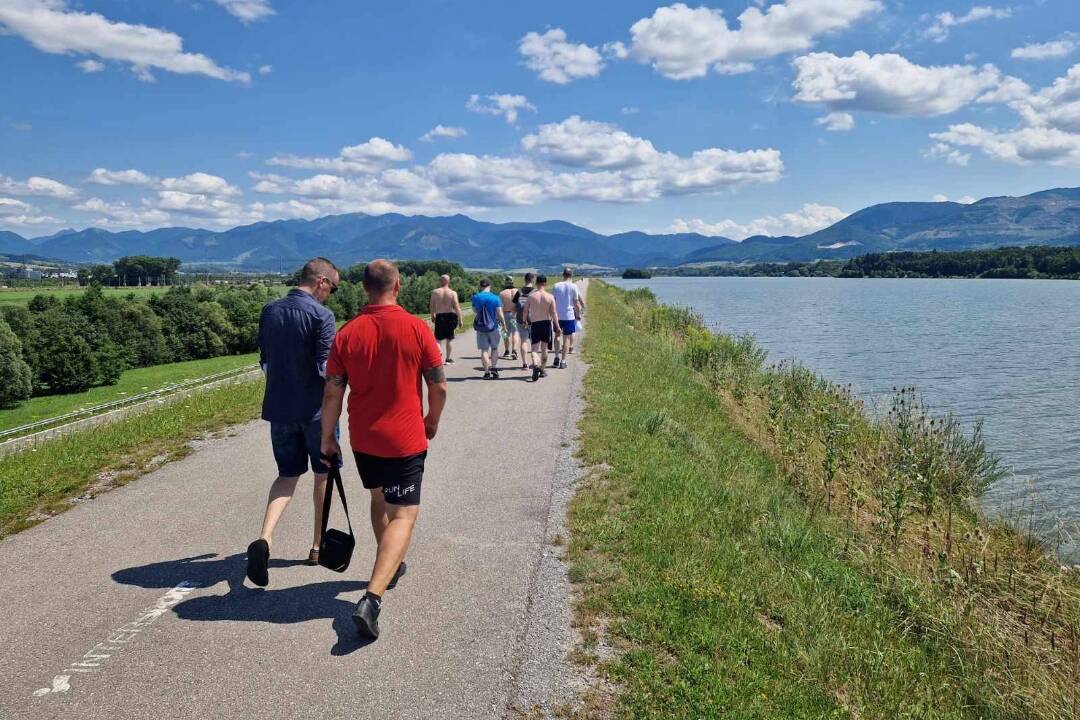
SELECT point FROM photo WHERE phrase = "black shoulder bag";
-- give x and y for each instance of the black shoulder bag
(336, 548)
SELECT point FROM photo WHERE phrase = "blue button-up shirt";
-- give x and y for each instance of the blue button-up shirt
(295, 334)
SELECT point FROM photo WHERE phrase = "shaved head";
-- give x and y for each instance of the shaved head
(444, 280)
(380, 276)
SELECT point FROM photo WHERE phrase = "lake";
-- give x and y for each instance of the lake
(1006, 351)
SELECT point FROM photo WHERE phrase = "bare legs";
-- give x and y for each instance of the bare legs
(393, 526)
(281, 492)
(446, 347)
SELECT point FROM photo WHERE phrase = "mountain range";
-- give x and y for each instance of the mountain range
(1050, 217)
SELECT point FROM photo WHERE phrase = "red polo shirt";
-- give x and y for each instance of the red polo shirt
(384, 351)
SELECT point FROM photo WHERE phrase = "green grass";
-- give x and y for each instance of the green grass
(21, 296)
(723, 593)
(132, 382)
(39, 482)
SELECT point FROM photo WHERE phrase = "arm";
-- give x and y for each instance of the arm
(554, 316)
(457, 309)
(322, 346)
(431, 305)
(436, 395)
(502, 319)
(262, 341)
(333, 395)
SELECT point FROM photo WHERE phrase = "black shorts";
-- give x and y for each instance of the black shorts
(540, 331)
(399, 478)
(445, 325)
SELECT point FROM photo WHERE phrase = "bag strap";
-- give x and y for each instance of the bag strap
(334, 478)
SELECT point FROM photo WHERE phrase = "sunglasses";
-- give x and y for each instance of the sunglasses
(333, 287)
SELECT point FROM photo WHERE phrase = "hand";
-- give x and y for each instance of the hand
(431, 427)
(329, 448)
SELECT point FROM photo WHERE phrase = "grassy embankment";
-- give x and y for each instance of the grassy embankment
(132, 382)
(753, 546)
(39, 482)
(21, 296)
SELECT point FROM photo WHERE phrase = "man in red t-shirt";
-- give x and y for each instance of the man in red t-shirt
(381, 355)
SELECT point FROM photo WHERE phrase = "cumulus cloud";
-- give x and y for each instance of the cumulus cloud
(1048, 129)
(266, 69)
(681, 42)
(101, 176)
(557, 60)
(944, 22)
(836, 121)
(39, 187)
(90, 66)
(52, 27)
(201, 184)
(16, 213)
(506, 105)
(442, 131)
(573, 160)
(1060, 48)
(11, 206)
(122, 214)
(942, 151)
(366, 157)
(963, 200)
(247, 10)
(891, 84)
(811, 217)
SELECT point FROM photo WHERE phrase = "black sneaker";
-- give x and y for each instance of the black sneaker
(537, 372)
(543, 372)
(487, 375)
(555, 362)
(494, 374)
(366, 618)
(401, 570)
(513, 356)
(258, 559)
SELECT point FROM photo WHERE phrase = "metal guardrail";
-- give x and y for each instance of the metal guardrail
(101, 409)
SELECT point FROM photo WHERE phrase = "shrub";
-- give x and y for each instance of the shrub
(68, 365)
(15, 376)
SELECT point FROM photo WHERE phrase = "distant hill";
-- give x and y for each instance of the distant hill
(1050, 217)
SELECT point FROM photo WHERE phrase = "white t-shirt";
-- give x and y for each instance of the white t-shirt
(566, 295)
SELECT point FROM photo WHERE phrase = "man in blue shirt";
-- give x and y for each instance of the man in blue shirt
(295, 335)
(487, 322)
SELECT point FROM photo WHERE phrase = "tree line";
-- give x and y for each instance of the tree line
(1033, 262)
(132, 270)
(54, 346)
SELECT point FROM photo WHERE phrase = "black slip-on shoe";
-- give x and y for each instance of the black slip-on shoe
(555, 363)
(494, 374)
(401, 570)
(258, 559)
(543, 372)
(366, 618)
(487, 375)
(536, 372)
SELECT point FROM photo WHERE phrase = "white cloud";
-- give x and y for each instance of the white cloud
(101, 176)
(810, 218)
(442, 131)
(682, 42)
(506, 105)
(1060, 48)
(38, 186)
(11, 206)
(890, 84)
(630, 110)
(963, 199)
(837, 121)
(949, 154)
(366, 157)
(580, 143)
(52, 27)
(616, 50)
(90, 66)
(941, 198)
(265, 69)
(608, 165)
(247, 10)
(201, 184)
(556, 60)
(1048, 131)
(124, 215)
(944, 22)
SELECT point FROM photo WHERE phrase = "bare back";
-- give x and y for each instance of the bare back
(444, 300)
(540, 306)
(507, 297)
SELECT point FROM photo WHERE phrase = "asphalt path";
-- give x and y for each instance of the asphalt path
(134, 604)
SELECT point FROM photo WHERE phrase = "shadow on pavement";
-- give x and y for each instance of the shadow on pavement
(302, 603)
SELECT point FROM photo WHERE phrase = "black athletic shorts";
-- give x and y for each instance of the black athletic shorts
(399, 478)
(541, 331)
(445, 325)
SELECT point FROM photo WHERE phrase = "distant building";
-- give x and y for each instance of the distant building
(22, 274)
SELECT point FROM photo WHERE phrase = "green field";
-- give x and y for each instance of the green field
(132, 382)
(21, 296)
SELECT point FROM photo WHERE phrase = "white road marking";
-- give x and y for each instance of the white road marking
(95, 656)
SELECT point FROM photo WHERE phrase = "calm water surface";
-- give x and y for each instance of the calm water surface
(1006, 351)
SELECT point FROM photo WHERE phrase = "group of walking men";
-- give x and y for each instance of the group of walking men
(528, 322)
(384, 356)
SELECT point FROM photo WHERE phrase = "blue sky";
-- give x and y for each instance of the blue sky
(731, 118)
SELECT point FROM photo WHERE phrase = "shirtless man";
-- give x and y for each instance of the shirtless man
(510, 342)
(543, 325)
(521, 297)
(445, 314)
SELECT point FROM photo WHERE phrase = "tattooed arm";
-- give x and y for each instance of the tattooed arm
(436, 395)
(333, 396)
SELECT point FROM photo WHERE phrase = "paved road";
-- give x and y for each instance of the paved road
(138, 597)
